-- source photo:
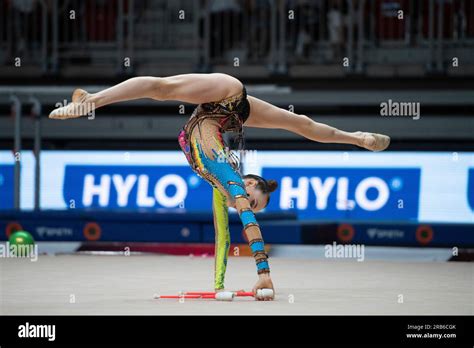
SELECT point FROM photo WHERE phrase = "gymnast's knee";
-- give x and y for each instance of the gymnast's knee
(161, 88)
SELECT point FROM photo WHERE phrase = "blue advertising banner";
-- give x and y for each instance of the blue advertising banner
(134, 187)
(347, 193)
(6, 186)
(432, 187)
(470, 189)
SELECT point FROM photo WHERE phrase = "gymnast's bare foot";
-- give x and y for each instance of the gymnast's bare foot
(81, 105)
(373, 141)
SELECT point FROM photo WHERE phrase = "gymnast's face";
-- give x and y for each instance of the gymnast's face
(258, 200)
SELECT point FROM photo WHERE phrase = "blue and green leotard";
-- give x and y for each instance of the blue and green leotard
(203, 145)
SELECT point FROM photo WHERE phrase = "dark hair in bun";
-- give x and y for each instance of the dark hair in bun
(272, 185)
(266, 186)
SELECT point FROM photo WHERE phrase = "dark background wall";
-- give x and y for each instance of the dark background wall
(334, 61)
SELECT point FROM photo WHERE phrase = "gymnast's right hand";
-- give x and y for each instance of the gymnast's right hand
(264, 282)
(81, 105)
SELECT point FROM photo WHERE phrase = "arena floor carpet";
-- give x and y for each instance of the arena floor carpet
(89, 284)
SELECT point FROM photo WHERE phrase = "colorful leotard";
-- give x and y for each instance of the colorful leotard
(207, 153)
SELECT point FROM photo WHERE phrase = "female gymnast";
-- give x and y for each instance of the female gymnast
(223, 106)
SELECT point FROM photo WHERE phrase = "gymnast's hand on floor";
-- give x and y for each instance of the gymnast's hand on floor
(264, 282)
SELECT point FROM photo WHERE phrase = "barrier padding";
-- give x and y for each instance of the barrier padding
(165, 226)
(390, 234)
(168, 226)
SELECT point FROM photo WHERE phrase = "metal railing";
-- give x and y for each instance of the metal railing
(166, 31)
(422, 32)
(89, 31)
(276, 34)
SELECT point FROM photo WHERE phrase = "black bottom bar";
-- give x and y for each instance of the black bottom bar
(135, 331)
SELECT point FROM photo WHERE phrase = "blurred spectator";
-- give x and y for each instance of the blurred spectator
(307, 22)
(101, 18)
(21, 15)
(258, 17)
(335, 29)
(225, 25)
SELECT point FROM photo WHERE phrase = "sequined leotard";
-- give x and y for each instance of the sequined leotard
(207, 153)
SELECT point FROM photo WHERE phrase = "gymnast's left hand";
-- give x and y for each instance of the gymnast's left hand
(264, 282)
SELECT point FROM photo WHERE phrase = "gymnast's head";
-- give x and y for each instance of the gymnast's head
(258, 190)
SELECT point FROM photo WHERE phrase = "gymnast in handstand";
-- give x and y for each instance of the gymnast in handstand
(223, 106)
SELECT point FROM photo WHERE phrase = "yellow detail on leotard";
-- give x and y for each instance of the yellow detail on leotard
(196, 154)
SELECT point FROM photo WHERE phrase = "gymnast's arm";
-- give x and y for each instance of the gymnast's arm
(256, 243)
